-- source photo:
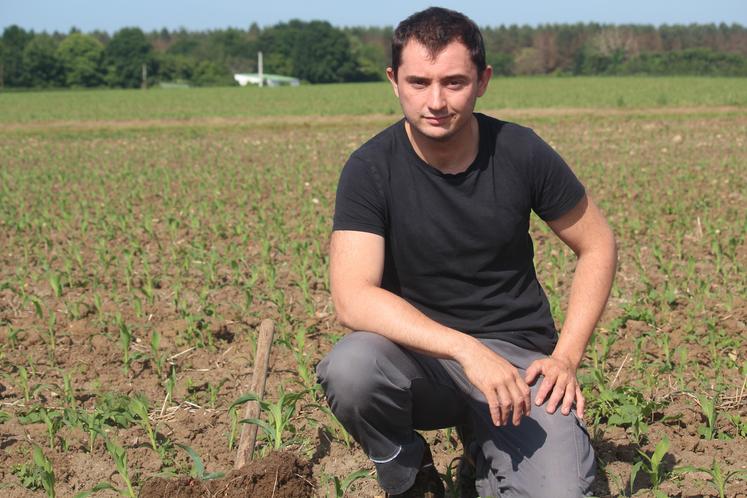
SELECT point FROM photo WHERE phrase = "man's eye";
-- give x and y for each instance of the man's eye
(418, 84)
(455, 84)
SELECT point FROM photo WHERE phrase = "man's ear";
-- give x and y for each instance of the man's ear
(393, 80)
(484, 79)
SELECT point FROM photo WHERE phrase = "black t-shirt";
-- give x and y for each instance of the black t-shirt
(457, 246)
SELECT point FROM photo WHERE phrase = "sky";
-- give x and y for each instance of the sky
(89, 15)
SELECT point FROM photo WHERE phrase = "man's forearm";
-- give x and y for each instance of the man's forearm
(590, 289)
(377, 310)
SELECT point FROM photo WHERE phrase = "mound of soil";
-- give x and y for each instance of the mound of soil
(280, 474)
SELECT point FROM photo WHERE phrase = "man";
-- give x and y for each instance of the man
(431, 265)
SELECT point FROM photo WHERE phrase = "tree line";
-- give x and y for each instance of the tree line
(318, 52)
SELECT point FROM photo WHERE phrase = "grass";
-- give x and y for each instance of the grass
(361, 99)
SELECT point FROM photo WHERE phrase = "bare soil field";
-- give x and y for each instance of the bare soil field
(136, 263)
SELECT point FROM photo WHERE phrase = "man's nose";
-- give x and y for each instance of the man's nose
(436, 98)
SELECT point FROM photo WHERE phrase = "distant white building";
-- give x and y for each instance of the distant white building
(244, 79)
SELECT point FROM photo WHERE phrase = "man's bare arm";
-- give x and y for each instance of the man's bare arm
(356, 268)
(586, 232)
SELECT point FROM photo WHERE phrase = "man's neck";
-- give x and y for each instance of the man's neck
(450, 156)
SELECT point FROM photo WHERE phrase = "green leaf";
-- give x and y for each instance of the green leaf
(351, 478)
(243, 399)
(269, 430)
(634, 472)
(38, 457)
(38, 308)
(198, 468)
(661, 449)
(54, 282)
(99, 487)
(686, 469)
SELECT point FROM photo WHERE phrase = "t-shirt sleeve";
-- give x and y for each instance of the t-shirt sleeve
(554, 187)
(360, 204)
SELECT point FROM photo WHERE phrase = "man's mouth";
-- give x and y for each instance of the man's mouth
(437, 119)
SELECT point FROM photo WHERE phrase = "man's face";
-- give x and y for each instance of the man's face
(438, 94)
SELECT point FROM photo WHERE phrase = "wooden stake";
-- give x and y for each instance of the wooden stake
(259, 378)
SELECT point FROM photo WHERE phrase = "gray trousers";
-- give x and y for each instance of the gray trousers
(382, 392)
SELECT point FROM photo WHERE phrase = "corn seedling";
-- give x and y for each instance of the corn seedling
(279, 415)
(93, 423)
(708, 407)
(198, 468)
(68, 391)
(53, 422)
(119, 455)
(51, 335)
(125, 340)
(139, 407)
(339, 487)
(156, 357)
(719, 477)
(55, 282)
(336, 427)
(652, 466)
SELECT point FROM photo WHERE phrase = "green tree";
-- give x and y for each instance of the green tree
(370, 60)
(14, 41)
(41, 63)
(208, 73)
(313, 51)
(503, 64)
(124, 57)
(81, 56)
(173, 67)
(233, 49)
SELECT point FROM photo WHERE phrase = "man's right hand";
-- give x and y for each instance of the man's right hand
(499, 381)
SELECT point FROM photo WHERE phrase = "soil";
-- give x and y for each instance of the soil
(639, 165)
(280, 475)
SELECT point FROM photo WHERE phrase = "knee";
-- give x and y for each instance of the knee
(351, 373)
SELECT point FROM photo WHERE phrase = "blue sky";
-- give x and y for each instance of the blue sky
(87, 15)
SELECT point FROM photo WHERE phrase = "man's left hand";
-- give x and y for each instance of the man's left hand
(559, 382)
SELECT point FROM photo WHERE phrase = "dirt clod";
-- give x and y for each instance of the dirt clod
(280, 474)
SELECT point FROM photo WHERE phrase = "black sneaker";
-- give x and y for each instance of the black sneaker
(428, 483)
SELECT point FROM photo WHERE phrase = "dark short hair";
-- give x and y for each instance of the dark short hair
(435, 28)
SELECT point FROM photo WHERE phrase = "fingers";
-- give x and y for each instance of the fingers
(495, 409)
(569, 398)
(508, 402)
(521, 403)
(532, 372)
(558, 393)
(558, 388)
(580, 402)
(565, 392)
(544, 389)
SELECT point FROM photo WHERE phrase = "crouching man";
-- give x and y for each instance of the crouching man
(432, 267)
